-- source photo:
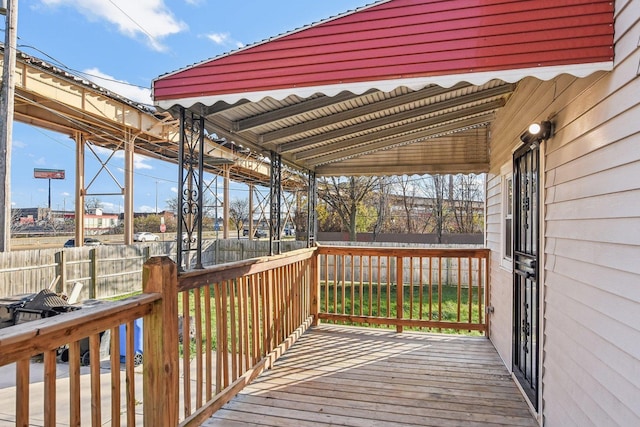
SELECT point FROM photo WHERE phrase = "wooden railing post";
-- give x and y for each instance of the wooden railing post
(160, 344)
(93, 285)
(314, 299)
(399, 291)
(62, 272)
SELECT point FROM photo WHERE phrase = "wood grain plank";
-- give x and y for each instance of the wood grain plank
(366, 377)
(50, 388)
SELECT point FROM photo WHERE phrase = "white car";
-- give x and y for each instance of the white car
(145, 236)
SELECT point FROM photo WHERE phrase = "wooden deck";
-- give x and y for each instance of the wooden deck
(370, 377)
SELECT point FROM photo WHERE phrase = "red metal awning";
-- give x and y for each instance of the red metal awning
(392, 48)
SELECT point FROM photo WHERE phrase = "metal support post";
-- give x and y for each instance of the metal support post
(190, 189)
(275, 199)
(312, 195)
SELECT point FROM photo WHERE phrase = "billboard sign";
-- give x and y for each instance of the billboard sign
(48, 173)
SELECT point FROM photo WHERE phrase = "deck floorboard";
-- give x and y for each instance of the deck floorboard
(363, 377)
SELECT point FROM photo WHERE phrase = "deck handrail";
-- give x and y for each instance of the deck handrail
(261, 306)
(19, 341)
(359, 284)
(47, 336)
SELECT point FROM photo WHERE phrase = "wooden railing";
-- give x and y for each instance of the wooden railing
(256, 309)
(441, 289)
(237, 319)
(74, 337)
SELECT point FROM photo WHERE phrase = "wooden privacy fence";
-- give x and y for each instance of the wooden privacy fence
(108, 270)
(404, 287)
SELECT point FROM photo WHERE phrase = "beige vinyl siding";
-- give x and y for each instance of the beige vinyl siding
(591, 342)
(501, 290)
(591, 306)
(592, 290)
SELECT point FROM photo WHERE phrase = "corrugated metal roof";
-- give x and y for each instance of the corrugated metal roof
(330, 96)
(406, 39)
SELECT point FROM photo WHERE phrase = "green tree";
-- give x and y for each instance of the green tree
(149, 223)
(344, 196)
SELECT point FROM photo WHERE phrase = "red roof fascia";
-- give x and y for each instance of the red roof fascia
(409, 38)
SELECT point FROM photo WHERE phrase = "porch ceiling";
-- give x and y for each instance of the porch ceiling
(397, 87)
(431, 130)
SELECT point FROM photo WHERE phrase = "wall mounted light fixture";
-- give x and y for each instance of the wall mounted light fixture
(537, 132)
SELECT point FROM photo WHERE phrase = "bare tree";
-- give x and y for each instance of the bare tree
(382, 207)
(92, 203)
(239, 213)
(344, 196)
(466, 203)
(408, 192)
(434, 188)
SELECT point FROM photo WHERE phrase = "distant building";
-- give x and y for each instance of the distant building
(95, 220)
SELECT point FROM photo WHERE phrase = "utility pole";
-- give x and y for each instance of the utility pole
(6, 116)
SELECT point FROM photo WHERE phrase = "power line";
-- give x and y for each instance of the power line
(153, 39)
(81, 73)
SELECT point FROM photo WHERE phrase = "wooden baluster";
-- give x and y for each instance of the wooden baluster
(421, 289)
(245, 320)
(197, 302)
(74, 383)
(50, 388)
(220, 326)
(430, 289)
(379, 310)
(370, 261)
(410, 286)
(186, 353)
(459, 290)
(439, 288)
(114, 347)
(96, 400)
(470, 290)
(22, 392)
(209, 316)
(399, 292)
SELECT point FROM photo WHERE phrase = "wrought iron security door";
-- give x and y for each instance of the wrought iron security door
(525, 269)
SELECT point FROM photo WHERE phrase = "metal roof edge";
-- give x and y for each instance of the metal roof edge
(509, 76)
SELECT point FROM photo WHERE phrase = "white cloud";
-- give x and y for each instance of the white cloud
(146, 209)
(18, 144)
(41, 161)
(111, 207)
(174, 189)
(224, 39)
(121, 87)
(218, 38)
(139, 161)
(149, 19)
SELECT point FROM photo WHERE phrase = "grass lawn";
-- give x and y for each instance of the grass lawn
(380, 301)
(376, 302)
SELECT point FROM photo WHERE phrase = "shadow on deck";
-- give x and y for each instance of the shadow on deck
(366, 377)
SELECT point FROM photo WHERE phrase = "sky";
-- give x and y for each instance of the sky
(123, 45)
